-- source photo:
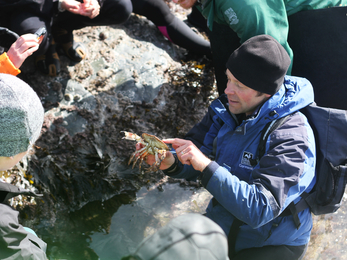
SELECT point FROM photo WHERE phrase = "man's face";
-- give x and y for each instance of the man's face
(241, 98)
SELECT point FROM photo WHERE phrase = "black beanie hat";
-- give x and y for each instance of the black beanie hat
(260, 63)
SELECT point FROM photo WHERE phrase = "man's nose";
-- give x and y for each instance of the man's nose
(229, 89)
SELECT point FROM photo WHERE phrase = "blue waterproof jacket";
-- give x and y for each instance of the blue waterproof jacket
(258, 195)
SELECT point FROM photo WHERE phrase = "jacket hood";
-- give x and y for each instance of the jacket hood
(295, 94)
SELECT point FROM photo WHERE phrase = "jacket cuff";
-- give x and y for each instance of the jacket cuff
(175, 168)
(207, 173)
(6, 65)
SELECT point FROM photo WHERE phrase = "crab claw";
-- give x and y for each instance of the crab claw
(131, 136)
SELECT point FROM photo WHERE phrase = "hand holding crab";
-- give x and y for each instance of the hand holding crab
(156, 153)
(149, 148)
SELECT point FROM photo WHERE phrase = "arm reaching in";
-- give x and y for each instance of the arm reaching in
(186, 4)
(89, 8)
(188, 153)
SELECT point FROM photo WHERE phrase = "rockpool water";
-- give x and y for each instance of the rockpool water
(110, 235)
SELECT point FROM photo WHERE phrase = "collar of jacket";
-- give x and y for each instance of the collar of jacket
(295, 94)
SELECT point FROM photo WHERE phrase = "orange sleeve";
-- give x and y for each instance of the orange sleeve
(6, 65)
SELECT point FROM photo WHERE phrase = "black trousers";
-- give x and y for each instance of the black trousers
(111, 12)
(223, 42)
(175, 29)
(283, 252)
(272, 253)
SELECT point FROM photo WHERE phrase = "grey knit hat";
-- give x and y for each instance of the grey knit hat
(190, 236)
(21, 115)
(260, 63)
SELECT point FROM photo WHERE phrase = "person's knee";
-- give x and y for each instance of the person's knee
(155, 10)
(117, 11)
(125, 14)
(26, 22)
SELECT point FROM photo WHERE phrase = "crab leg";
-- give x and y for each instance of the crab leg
(162, 155)
(156, 163)
(143, 156)
(134, 163)
(132, 157)
(136, 152)
(136, 159)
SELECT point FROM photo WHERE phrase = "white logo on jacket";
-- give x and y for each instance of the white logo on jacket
(230, 13)
(246, 157)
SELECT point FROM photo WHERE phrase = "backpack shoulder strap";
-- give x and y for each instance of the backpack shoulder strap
(268, 129)
(214, 149)
(292, 209)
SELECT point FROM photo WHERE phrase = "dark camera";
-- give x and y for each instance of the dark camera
(40, 33)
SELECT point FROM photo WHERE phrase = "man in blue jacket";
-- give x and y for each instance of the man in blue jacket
(255, 195)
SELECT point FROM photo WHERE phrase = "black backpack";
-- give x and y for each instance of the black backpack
(329, 126)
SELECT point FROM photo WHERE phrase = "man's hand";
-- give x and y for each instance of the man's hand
(186, 4)
(188, 153)
(89, 8)
(150, 159)
(71, 6)
(22, 48)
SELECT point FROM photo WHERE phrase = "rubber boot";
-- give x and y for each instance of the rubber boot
(75, 51)
(49, 63)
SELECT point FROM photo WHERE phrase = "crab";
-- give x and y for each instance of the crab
(152, 145)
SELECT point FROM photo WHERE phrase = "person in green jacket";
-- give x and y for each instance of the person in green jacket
(232, 22)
